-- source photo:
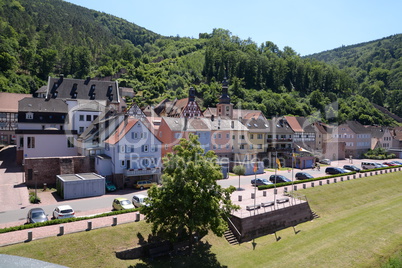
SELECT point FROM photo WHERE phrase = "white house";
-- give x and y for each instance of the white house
(131, 153)
(42, 129)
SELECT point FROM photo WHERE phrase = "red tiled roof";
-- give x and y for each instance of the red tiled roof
(294, 124)
(9, 101)
(122, 130)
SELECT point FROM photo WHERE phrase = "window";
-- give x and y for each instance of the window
(29, 115)
(177, 135)
(219, 136)
(94, 117)
(259, 146)
(242, 146)
(144, 135)
(81, 117)
(251, 136)
(259, 136)
(145, 148)
(107, 148)
(81, 129)
(242, 137)
(214, 146)
(227, 135)
(70, 142)
(3, 115)
(122, 163)
(251, 146)
(134, 135)
(31, 142)
(88, 117)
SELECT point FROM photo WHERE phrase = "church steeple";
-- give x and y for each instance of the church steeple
(225, 108)
(224, 98)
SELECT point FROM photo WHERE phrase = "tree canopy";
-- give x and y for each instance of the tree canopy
(47, 38)
(189, 202)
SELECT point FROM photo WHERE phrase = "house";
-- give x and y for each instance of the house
(304, 132)
(187, 107)
(9, 116)
(171, 130)
(105, 92)
(381, 137)
(91, 141)
(132, 153)
(42, 129)
(356, 137)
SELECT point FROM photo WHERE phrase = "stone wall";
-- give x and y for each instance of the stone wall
(40, 170)
(270, 222)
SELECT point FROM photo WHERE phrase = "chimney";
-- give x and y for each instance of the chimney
(87, 80)
(212, 118)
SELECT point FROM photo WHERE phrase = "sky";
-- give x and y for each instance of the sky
(308, 27)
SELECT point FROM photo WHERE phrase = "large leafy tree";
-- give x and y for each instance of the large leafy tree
(189, 202)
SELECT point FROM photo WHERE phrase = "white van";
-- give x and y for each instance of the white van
(369, 165)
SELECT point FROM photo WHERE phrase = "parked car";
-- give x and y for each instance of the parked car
(122, 203)
(278, 179)
(325, 161)
(351, 168)
(143, 184)
(139, 200)
(36, 215)
(389, 164)
(303, 176)
(397, 163)
(335, 170)
(379, 165)
(260, 182)
(369, 165)
(63, 212)
(110, 187)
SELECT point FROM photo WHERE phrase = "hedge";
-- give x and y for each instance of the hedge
(58, 221)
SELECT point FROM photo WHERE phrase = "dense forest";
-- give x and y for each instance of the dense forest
(41, 38)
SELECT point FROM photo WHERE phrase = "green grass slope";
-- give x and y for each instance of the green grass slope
(359, 226)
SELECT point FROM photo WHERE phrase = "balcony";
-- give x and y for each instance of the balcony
(279, 139)
(142, 171)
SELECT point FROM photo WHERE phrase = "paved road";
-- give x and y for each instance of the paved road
(14, 203)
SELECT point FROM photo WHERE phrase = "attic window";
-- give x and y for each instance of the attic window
(266, 125)
(109, 90)
(255, 125)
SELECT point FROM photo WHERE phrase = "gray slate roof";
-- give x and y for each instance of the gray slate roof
(68, 88)
(42, 105)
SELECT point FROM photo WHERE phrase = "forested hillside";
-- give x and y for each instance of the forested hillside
(48, 37)
(376, 66)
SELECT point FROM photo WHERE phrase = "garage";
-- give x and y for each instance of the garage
(70, 186)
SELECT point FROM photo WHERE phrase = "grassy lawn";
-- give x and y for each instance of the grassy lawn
(359, 226)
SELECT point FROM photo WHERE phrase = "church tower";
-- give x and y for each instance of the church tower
(224, 107)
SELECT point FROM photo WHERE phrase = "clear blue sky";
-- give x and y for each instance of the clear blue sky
(308, 26)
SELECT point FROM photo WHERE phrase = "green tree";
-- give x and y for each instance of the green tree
(239, 170)
(189, 202)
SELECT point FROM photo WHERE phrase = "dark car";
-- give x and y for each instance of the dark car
(335, 170)
(351, 168)
(278, 179)
(36, 215)
(397, 163)
(260, 182)
(303, 176)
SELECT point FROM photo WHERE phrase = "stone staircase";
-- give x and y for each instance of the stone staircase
(230, 237)
(315, 215)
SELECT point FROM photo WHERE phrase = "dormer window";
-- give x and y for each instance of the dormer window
(29, 115)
